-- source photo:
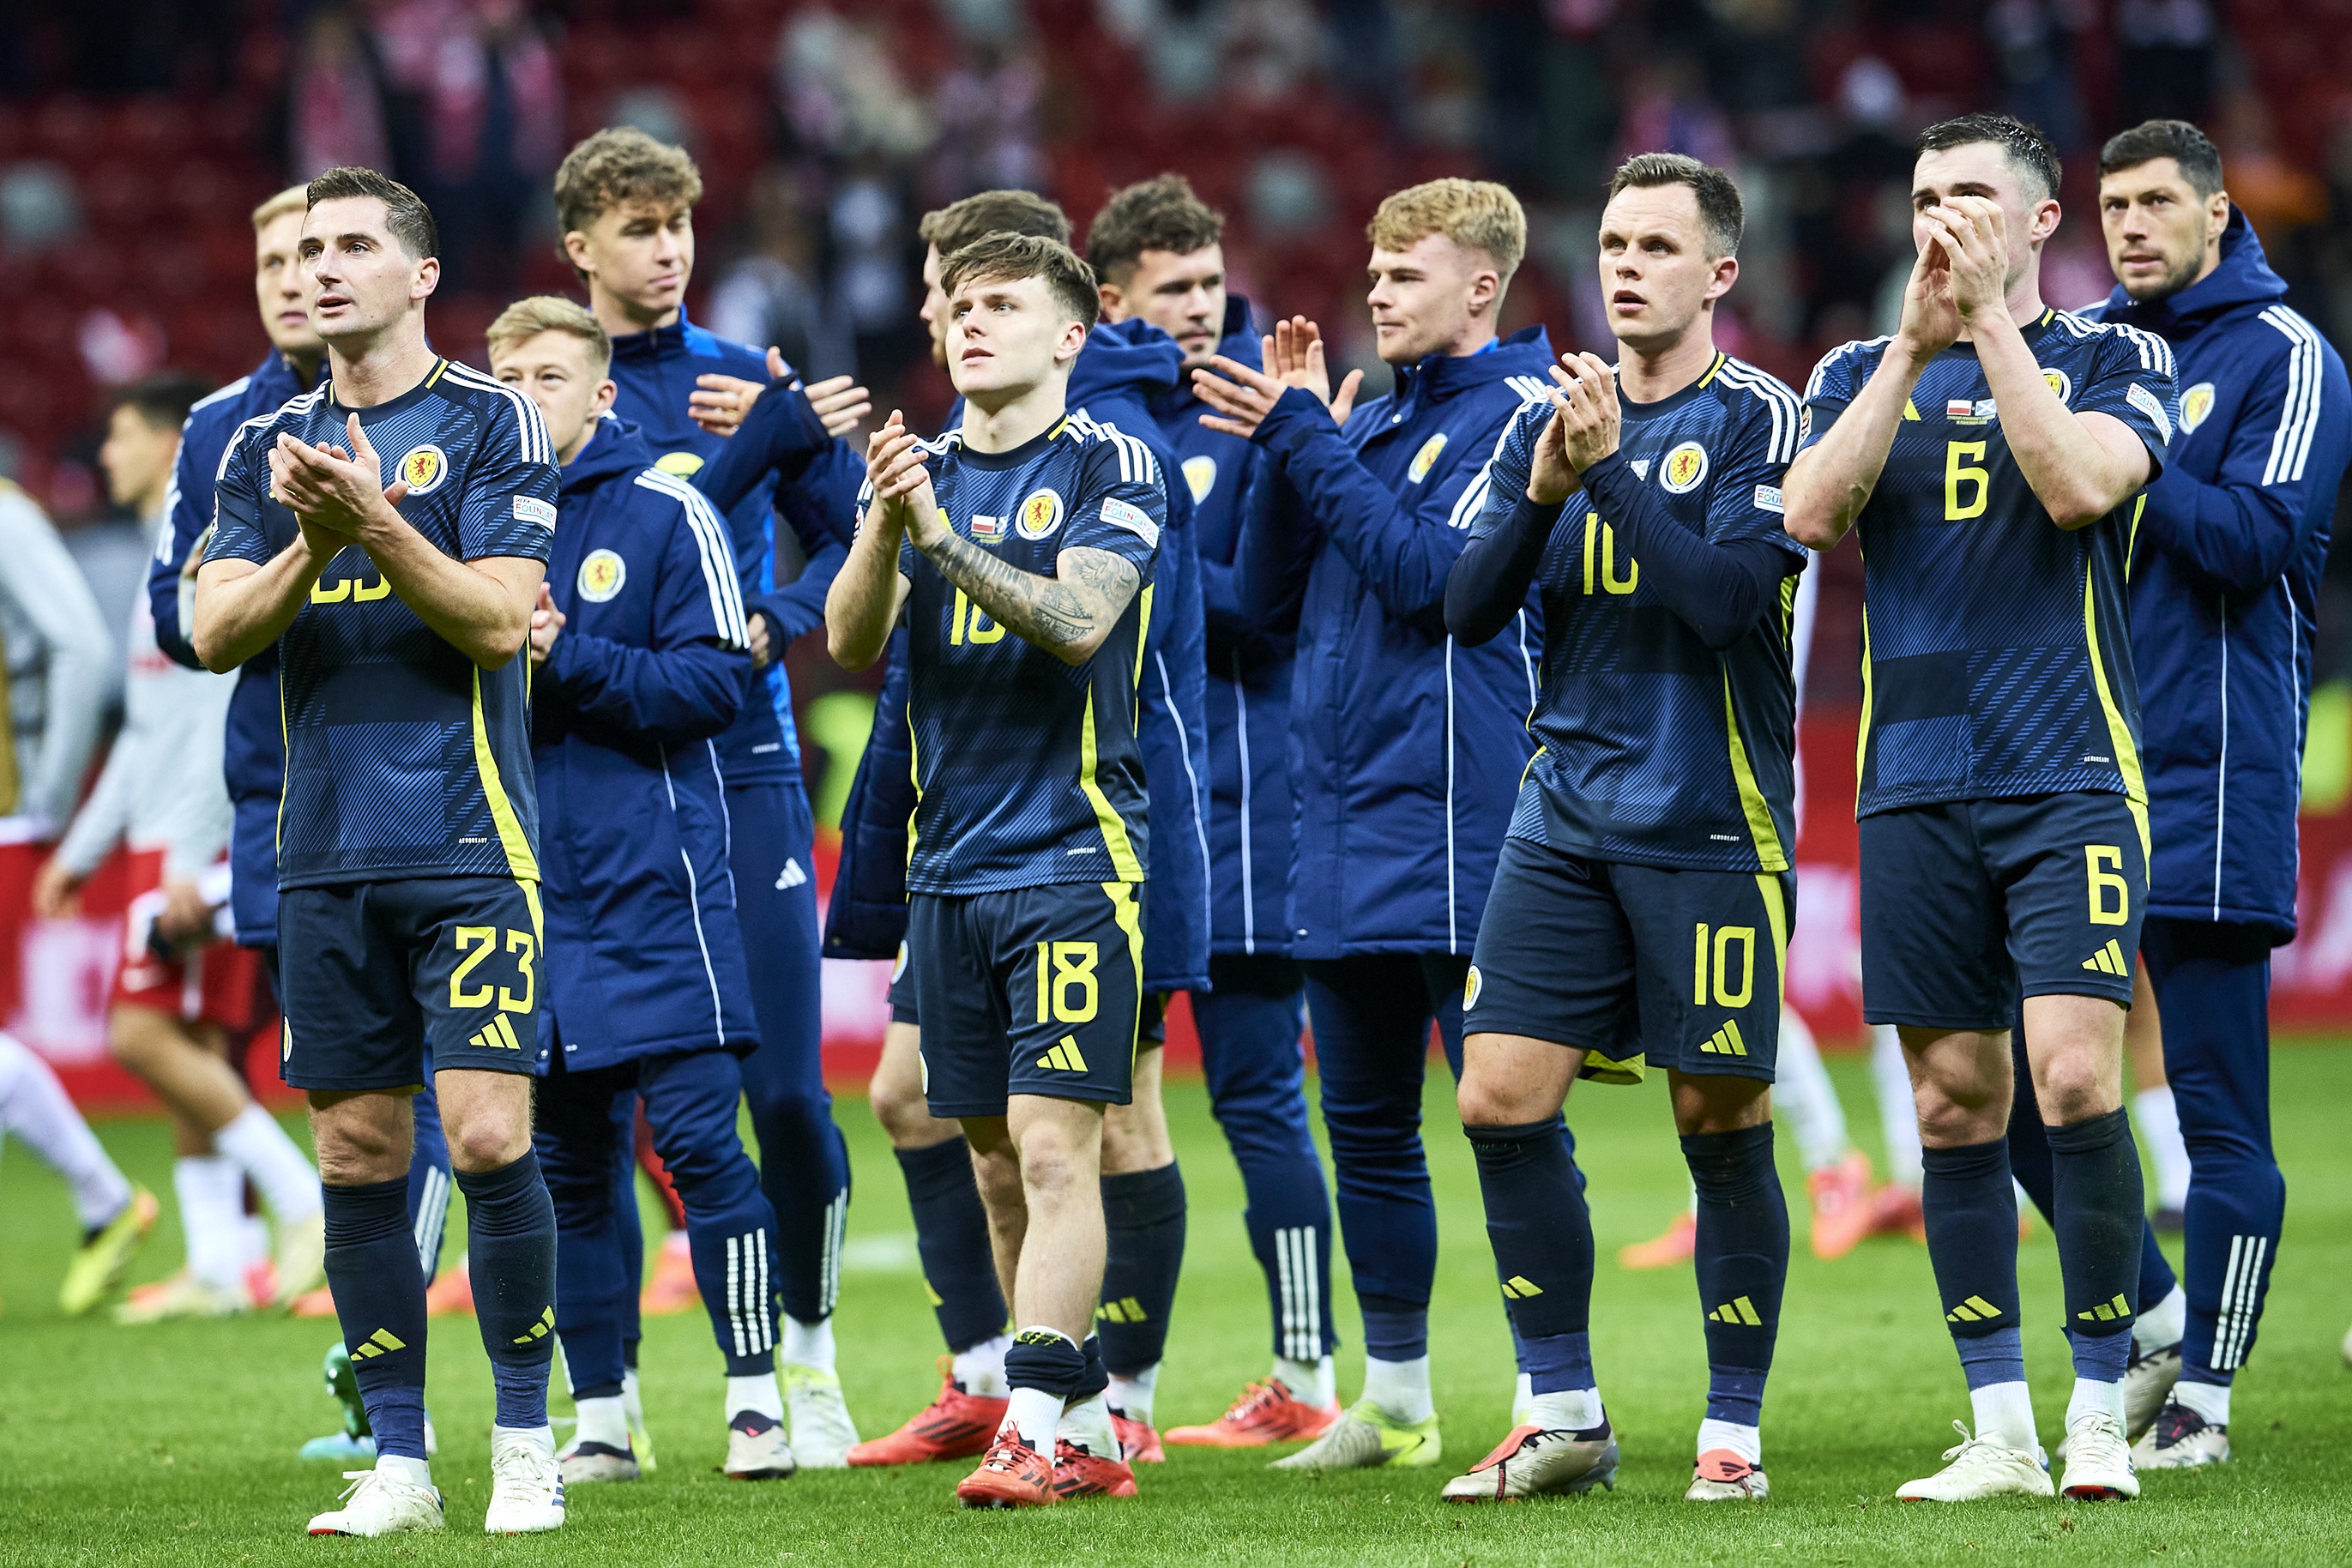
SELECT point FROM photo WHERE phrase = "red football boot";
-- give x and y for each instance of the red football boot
(1138, 1442)
(955, 1426)
(1014, 1475)
(1078, 1474)
(1842, 1205)
(1265, 1413)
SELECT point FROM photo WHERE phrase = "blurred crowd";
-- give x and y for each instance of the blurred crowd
(824, 129)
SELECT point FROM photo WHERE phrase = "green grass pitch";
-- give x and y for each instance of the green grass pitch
(175, 1445)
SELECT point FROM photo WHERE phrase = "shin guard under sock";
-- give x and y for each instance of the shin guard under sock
(380, 1299)
(1969, 1205)
(2098, 1223)
(510, 1256)
(951, 1239)
(1742, 1261)
(1143, 1225)
(1541, 1234)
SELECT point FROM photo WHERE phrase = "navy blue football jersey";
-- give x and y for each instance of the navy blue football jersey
(1655, 749)
(404, 758)
(1995, 657)
(1026, 769)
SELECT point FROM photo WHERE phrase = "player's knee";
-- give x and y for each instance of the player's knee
(2077, 1086)
(906, 1117)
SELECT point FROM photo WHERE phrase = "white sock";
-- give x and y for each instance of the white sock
(1310, 1382)
(1035, 1416)
(1523, 1398)
(289, 1183)
(34, 1106)
(211, 1191)
(1131, 1397)
(981, 1369)
(2090, 1397)
(1898, 1114)
(755, 1396)
(1087, 1423)
(807, 1344)
(603, 1420)
(416, 1472)
(1746, 1442)
(2159, 1134)
(2004, 1413)
(2211, 1400)
(1401, 1388)
(633, 1402)
(1805, 1099)
(1569, 1410)
(2162, 1324)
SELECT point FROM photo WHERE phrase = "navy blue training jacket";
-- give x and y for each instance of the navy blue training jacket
(656, 370)
(1405, 748)
(2225, 584)
(1123, 367)
(643, 954)
(1249, 675)
(253, 753)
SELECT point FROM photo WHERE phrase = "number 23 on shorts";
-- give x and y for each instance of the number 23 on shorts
(476, 945)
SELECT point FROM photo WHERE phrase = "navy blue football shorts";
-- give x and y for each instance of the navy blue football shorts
(1968, 905)
(376, 973)
(1637, 966)
(1030, 991)
(902, 990)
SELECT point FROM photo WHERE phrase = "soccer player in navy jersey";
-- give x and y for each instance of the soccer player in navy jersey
(408, 907)
(1991, 450)
(1029, 838)
(1650, 842)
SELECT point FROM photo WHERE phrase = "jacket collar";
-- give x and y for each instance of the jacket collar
(615, 449)
(656, 343)
(1438, 377)
(2243, 279)
(1124, 362)
(275, 376)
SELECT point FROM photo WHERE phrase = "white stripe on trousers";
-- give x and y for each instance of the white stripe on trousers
(431, 1213)
(1301, 1293)
(2238, 1289)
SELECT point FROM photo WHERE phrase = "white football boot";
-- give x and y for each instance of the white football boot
(1722, 1476)
(2098, 1460)
(2181, 1440)
(525, 1484)
(378, 1502)
(823, 1433)
(757, 1450)
(1978, 1469)
(1532, 1462)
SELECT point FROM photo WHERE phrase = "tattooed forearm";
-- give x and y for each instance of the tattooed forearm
(1068, 616)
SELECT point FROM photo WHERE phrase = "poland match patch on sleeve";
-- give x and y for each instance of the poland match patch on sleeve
(530, 509)
(1134, 518)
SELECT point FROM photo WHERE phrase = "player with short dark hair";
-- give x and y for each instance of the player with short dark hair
(1030, 841)
(1990, 450)
(1155, 247)
(2225, 589)
(407, 870)
(1655, 823)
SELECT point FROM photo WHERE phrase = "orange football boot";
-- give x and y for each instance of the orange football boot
(955, 1426)
(1673, 1244)
(1265, 1413)
(1078, 1474)
(1014, 1475)
(1895, 1211)
(1138, 1442)
(319, 1303)
(451, 1295)
(1842, 1205)
(670, 1287)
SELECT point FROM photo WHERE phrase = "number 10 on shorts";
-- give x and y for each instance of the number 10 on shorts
(1712, 961)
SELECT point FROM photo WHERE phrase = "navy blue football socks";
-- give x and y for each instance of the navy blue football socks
(1970, 1209)
(2030, 1162)
(1143, 1223)
(1742, 1261)
(379, 1298)
(1541, 1234)
(951, 1239)
(510, 1254)
(2099, 1217)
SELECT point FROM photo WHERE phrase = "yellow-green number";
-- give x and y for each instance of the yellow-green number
(1960, 471)
(2110, 894)
(1712, 961)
